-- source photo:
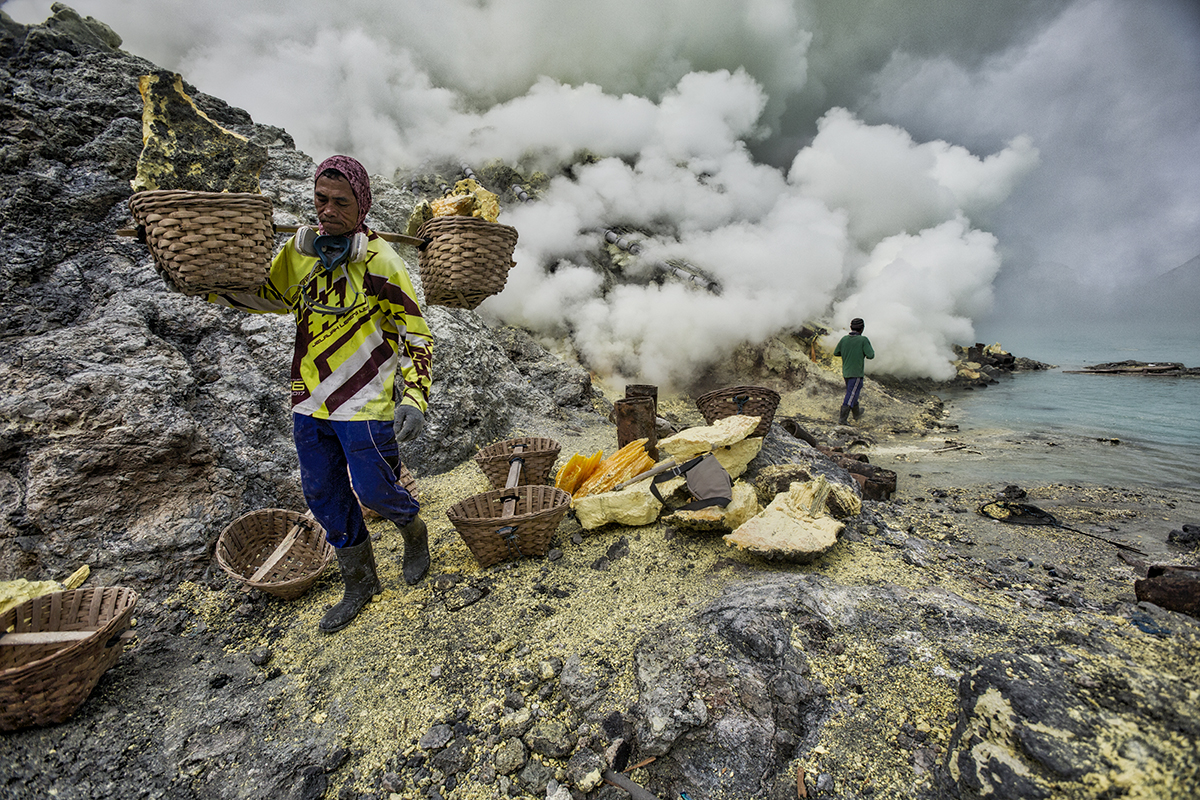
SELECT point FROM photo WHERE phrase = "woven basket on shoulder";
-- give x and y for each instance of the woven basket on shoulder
(55, 648)
(467, 260)
(258, 538)
(539, 456)
(208, 241)
(754, 401)
(493, 538)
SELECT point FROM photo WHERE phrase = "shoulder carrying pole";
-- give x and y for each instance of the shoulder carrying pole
(398, 238)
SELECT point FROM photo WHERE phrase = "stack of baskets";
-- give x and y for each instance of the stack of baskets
(519, 517)
(280, 552)
(208, 241)
(754, 401)
(55, 648)
(466, 260)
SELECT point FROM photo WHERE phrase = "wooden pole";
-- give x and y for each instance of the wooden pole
(662, 466)
(399, 238)
(621, 782)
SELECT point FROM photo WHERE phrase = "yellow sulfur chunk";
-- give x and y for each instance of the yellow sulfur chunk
(421, 214)
(576, 471)
(487, 205)
(467, 199)
(622, 465)
(456, 205)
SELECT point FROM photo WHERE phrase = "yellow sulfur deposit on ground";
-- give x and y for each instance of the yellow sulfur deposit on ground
(634, 506)
(819, 497)
(794, 526)
(695, 441)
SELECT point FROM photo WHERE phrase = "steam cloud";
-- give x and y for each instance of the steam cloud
(821, 160)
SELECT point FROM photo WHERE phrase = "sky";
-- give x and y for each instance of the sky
(949, 170)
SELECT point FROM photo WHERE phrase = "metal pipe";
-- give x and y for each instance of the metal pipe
(522, 195)
(612, 237)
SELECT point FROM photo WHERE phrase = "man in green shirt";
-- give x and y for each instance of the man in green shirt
(853, 348)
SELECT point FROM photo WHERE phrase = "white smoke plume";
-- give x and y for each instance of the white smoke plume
(820, 160)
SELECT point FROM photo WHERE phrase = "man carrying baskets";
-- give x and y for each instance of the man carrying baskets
(357, 325)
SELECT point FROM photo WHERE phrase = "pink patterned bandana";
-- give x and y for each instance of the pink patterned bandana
(360, 184)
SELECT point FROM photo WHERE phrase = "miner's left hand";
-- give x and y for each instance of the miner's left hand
(409, 423)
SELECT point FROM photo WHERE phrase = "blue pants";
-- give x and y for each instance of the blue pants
(853, 390)
(368, 448)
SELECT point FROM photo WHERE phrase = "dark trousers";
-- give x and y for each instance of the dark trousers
(368, 449)
(853, 390)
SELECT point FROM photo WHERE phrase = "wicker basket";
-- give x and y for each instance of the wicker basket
(409, 482)
(208, 241)
(539, 455)
(493, 538)
(467, 260)
(255, 539)
(46, 678)
(754, 401)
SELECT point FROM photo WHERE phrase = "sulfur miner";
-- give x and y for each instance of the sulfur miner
(361, 375)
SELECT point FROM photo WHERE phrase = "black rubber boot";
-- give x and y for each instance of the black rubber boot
(856, 410)
(362, 583)
(416, 550)
(844, 415)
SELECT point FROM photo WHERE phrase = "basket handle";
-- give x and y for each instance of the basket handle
(281, 551)
(515, 464)
(31, 638)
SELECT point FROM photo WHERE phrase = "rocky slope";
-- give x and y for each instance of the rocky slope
(932, 653)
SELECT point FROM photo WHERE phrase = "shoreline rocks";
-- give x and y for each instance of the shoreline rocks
(1167, 369)
(980, 364)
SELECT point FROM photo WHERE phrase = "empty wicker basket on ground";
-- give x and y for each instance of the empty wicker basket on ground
(539, 456)
(280, 552)
(754, 401)
(54, 650)
(493, 537)
(466, 260)
(208, 241)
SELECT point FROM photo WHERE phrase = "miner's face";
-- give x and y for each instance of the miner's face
(336, 206)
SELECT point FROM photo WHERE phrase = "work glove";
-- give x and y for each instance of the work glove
(409, 423)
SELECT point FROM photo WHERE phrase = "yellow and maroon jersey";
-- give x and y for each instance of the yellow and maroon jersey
(344, 365)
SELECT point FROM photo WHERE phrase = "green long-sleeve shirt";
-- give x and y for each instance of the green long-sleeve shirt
(853, 349)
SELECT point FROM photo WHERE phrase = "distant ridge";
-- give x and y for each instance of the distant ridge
(1171, 299)
(1184, 278)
